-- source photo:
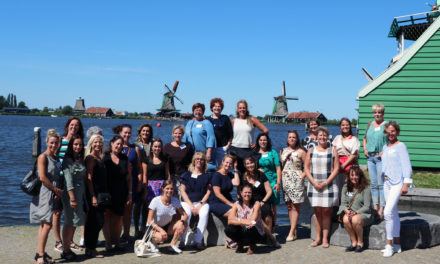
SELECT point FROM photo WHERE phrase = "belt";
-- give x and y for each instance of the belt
(372, 153)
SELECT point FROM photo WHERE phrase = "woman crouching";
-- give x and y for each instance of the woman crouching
(167, 218)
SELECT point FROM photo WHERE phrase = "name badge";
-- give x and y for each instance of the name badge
(194, 176)
(199, 125)
(350, 194)
(392, 151)
(256, 184)
(265, 155)
(183, 146)
(376, 128)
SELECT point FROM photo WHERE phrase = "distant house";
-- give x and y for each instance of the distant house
(79, 106)
(121, 113)
(16, 110)
(304, 117)
(99, 111)
(187, 116)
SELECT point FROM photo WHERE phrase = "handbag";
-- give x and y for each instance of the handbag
(104, 199)
(31, 183)
(341, 215)
(142, 247)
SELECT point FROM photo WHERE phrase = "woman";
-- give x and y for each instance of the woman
(120, 188)
(269, 162)
(396, 170)
(96, 185)
(293, 158)
(321, 167)
(167, 218)
(178, 155)
(356, 207)
(244, 222)
(373, 143)
(74, 171)
(72, 128)
(347, 146)
(199, 132)
(312, 140)
(156, 170)
(222, 182)
(41, 208)
(94, 130)
(243, 134)
(133, 154)
(195, 190)
(261, 190)
(222, 129)
(143, 140)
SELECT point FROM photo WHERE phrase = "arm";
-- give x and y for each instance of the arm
(155, 226)
(167, 170)
(182, 213)
(236, 179)
(344, 201)
(90, 164)
(139, 168)
(130, 187)
(144, 180)
(210, 138)
(259, 125)
(308, 173)
(233, 218)
(185, 196)
(405, 164)
(278, 171)
(302, 156)
(220, 196)
(69, 182)
(268, 192)
(230, 131)
(366, 196)
(204, 198)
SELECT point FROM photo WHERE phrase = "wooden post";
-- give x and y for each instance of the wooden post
(36, 143)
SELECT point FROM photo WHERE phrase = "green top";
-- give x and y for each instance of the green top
(269, 162)
(376, 139)
(362, 203)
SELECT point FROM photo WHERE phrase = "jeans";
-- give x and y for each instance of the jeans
(375, 171)
(219, 153)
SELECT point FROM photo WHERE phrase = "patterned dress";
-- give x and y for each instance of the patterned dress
(321, 166)
(293, 186)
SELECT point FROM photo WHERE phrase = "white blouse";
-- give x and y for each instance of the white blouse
(351, 144)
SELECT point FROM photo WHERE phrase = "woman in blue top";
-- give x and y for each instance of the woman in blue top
(199, 132)
(396, 171)
(269, 163)
(133, 154)
(373, 142)
(195, 189)
(222, 129)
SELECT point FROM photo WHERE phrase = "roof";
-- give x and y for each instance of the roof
(302, 115)
(396, 67)
(96, 110)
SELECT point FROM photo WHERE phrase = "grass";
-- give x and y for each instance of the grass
(423, 179)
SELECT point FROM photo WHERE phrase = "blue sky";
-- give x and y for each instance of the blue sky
(121, 53)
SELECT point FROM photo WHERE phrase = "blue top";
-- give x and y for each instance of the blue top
(131, 154)
(396, 165)
(200, 134)
(376, 139)
(225, 184)
(222, 129)
(196, 187)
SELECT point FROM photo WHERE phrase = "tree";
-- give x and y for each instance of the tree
(2, 101)
(67, 110)
(22, 104)
(45, 109)
(15, 100)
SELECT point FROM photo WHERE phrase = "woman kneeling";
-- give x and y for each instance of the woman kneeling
(356, 206)
(167, 218)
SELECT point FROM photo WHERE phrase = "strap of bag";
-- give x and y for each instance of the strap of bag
(191, 132)
(344, 148)
(352, 201)
(287, 159)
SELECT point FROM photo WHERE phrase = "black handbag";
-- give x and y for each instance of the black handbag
(31, 183)
(104, 199)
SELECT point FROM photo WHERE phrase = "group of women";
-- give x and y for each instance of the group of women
(196, 172)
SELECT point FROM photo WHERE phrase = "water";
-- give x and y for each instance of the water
(16, 133)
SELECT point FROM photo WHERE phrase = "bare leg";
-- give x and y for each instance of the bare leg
(43, 233)
(326, 223)
(176, 228)
(274, 212)
(318, 224)
(358, 225)
(116, 228)
(293, 210)
(56, 223)
(350, 230)
(68, 232)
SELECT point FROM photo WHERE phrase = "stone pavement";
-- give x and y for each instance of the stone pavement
(18, 245)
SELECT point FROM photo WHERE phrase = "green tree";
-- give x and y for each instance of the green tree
(22, 104)
(15, 100)
(45, 109)
(67, 110)
(8, 101)
(2, 101)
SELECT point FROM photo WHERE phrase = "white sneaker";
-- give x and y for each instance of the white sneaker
(153, 247)
(176, 249)
(388, 251)
(397, 248)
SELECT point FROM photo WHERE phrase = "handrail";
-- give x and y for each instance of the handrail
(423, 13)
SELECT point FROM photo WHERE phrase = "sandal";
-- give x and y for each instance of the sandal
(69, 255)
(76, 247)
(92, 253)
(48, 258)
(231, 244)
(59, 246)
(315, 243)
(38, 256)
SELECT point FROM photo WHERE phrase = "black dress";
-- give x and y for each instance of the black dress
(117, 182)
(259, 192)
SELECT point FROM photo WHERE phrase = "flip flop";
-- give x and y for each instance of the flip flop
(231, 244)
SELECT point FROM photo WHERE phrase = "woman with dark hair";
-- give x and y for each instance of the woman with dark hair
(261, 190)
(133, 154)
(74, 171)
(199, 132)
(195, 190)
(41, 207)
(72, 128)
(223, 182)
(312, 140)
(156, 169)
(356, 207)
(120, 188)
(178, 155)
(269, 162)
(143, 140)
(167, 218)
(222, 129)
(321, 167)
(243, 143)
(293, 158)
(244, 222)
(396, 171)
(96, 184)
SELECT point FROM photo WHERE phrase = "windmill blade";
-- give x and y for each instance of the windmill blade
(175, 86)
(168, 88)
(178, 99)
(291, 98)
(367, 75)
(284, 88)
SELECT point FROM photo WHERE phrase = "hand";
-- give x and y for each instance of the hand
(366, 153)
(260, 169)
(94, 201)
(195, 210)
(73, 204)
(316, 185)
(253, 146)
(404, 189)
(129, 200)
(379, 155)
(58, 192)
(277, 188)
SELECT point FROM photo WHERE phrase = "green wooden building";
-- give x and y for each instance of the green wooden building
(410, 89)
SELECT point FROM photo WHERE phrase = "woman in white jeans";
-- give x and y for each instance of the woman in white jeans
(195, 190)
(396, 170)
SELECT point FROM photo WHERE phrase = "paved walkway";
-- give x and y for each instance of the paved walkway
(18, 245)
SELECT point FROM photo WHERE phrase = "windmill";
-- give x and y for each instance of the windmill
(279, 111)
(168, 108)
